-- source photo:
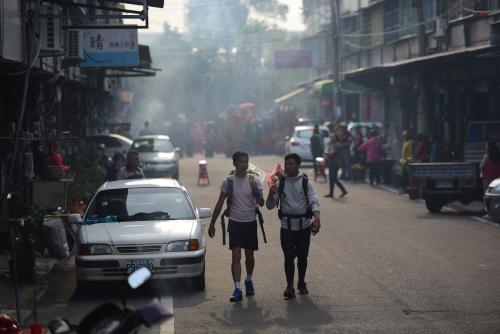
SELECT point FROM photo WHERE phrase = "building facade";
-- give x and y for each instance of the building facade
(431, 66)
(46, 94)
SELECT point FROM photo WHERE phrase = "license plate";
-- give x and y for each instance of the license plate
(133, 265)
(442, 184)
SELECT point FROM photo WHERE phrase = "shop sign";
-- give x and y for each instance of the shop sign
(293, 59)
(110, 48)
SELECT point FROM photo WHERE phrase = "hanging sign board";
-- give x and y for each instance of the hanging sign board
(293, 59)
(110, 48)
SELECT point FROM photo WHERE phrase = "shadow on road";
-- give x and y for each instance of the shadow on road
(301, 313)
(304, 314)
(246, 318)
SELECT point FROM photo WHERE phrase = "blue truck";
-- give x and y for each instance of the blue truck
(441, 183)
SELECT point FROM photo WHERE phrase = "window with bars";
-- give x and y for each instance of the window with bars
(366, 29)
(391, 20)
(408, 18)
(430, 14)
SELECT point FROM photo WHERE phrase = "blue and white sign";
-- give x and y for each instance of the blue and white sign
(110, 48)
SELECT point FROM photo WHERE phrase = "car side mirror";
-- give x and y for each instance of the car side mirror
(177, 150)
(205, 213)
(287, 138)
(75, 218)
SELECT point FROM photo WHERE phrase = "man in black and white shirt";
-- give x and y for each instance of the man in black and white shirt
(300, 216)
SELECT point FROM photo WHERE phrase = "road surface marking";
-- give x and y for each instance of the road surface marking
(168, 326)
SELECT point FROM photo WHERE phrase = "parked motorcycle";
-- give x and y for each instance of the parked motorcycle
(110, 318)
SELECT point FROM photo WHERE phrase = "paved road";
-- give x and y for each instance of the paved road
(381, 264)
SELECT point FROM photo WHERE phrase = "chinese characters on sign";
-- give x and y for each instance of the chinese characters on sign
(110, 47)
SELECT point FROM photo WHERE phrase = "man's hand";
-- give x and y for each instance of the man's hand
(253, 185)
(316, 225)
(274, 186)
(211, 230)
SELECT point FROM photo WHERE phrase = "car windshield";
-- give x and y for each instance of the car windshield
(308, 133)
(304, 134)
(141, 204)
(153, 145)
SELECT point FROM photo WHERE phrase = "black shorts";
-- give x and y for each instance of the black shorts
(243, 235)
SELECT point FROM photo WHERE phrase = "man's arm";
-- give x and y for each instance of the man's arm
(259, 192)
(217, 210)
(312, 197)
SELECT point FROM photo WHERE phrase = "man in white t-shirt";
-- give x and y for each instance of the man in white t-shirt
(244, 192)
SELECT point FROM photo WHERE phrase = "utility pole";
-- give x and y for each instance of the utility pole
(421, 76)
(335, 28)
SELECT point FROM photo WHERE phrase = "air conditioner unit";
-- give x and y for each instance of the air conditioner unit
(441, 27)
(50, 30)
(73, 44)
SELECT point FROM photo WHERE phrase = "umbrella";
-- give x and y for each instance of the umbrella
(246, 105)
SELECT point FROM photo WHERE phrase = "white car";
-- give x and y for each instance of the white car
(150, 223)
(158, 156)
(491, 200)
(112, 143)
(300, 141)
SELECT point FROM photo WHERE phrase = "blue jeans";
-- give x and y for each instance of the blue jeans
(332, 176)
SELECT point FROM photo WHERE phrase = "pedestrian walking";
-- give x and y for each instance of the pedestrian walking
(374, 151)
(146, 130)
(243, 192)
(407, 157)
(407, 148)
(131, 170)
(490, 165)
(317, 148)
(298, 210)
(344, 148)
(334, 158)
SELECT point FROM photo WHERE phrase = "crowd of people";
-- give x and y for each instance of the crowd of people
(349, 155)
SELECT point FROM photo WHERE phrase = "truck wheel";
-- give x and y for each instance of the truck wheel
(434, 205)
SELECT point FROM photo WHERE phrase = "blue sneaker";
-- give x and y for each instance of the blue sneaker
(249, 288)
(237, 296)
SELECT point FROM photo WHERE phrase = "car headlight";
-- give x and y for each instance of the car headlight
(98, 249)
(183, 245)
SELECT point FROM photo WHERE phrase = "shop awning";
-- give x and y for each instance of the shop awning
(143, 70)
(81, 14)
(373, 72)
(326, 86)
(289, 95)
